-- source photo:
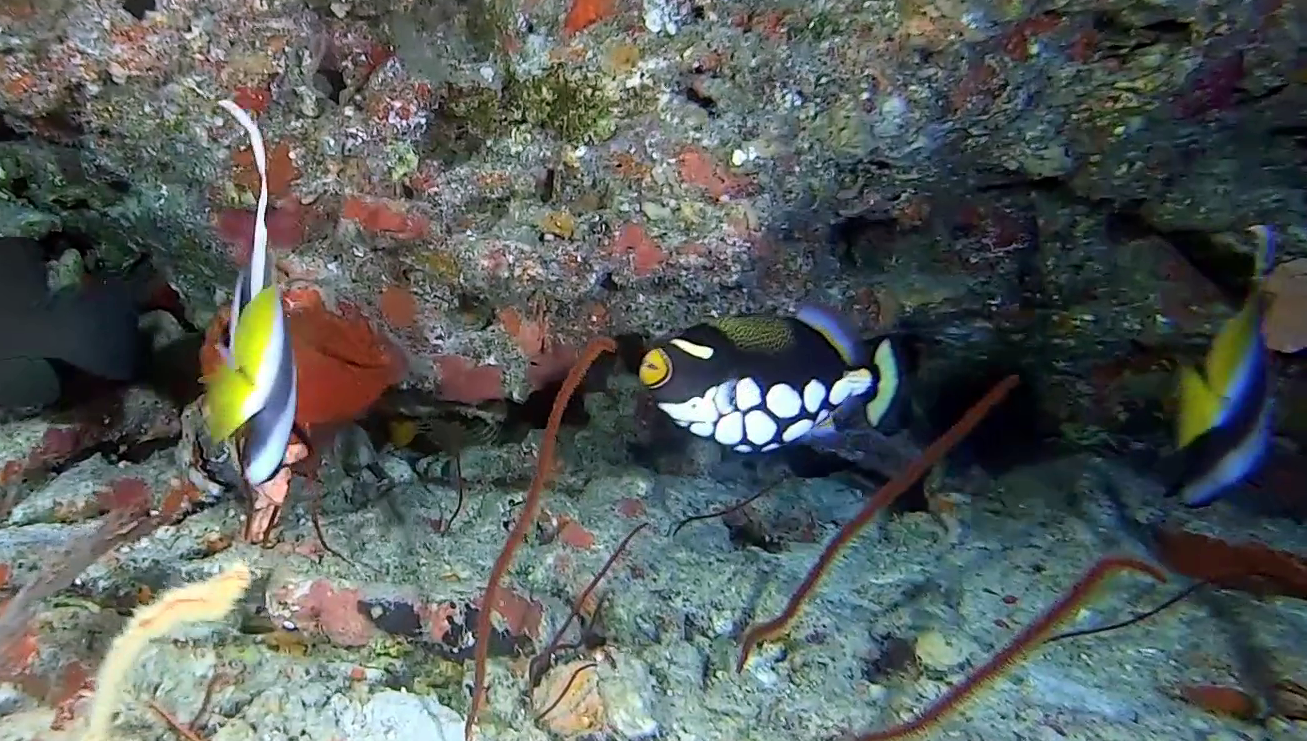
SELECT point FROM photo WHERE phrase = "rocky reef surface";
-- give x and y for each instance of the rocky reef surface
(493, 183)
(373, 637)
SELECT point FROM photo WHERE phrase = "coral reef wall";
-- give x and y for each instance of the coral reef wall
(495, 182)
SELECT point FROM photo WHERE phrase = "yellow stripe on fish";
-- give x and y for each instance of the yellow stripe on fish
(232, 391)
(1199, 406)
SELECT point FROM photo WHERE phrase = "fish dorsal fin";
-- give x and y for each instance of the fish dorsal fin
(756, 333)
(1228, 360)
(259, 254)
(837, 330)
(1199, 406)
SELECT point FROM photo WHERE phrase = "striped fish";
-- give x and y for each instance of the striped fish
(251, 396)
(1223, 429)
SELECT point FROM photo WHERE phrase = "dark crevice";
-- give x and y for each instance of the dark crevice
(7, 132)
(330, 82)
(1015, 432)
(1025, 184)
(701, 99)
(1229, 271)
(631, 347)
(547, 186)
(1118, 36)
(138, 8)
(19, 187)
(854, 238)
(58, 242)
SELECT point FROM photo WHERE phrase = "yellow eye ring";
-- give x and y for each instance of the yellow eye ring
(655, 368)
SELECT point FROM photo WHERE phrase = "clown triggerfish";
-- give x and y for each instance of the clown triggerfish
(757, 382)
(1223, 427)
(253, 391)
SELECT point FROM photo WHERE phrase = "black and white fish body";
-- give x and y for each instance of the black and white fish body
(756, 383)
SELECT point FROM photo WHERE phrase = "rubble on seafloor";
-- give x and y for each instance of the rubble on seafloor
(376, 640)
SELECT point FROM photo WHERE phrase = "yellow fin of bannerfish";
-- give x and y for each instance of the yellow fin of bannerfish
(225, 392)
(1199, 406)
(1230, 348)
(254, 331)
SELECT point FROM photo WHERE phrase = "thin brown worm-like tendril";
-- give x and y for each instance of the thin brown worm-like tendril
(1025, 641)
(527, 518)
(543, 658)
(777, 626)
(728, 509)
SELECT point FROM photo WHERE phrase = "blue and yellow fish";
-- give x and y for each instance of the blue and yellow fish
(251, 396)
(755, 383)
(1223, 428)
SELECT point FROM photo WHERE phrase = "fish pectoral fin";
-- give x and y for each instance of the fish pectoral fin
(226, 392)
(1200, 407)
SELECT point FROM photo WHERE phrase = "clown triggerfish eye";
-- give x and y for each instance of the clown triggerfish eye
(757, 382)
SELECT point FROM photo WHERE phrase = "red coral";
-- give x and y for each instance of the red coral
(697, 167)
(634, 240)
(385, 217)
(1249, 566)
(1212, 87)
(465, 382)
(398, 306)
(343, 365)
(282, 172)
(286, 228)
(584, 13)
(125, 495)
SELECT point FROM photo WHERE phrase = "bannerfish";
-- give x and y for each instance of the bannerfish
(251, 395)
(91, 325)
(1223, 426)
(755, 383)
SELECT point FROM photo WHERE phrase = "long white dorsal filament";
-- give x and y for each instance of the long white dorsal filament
(259, 254)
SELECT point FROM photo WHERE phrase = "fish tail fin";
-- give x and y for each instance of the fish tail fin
(226, 393)
(838, 329)
(888, 409)
(1199, 406)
